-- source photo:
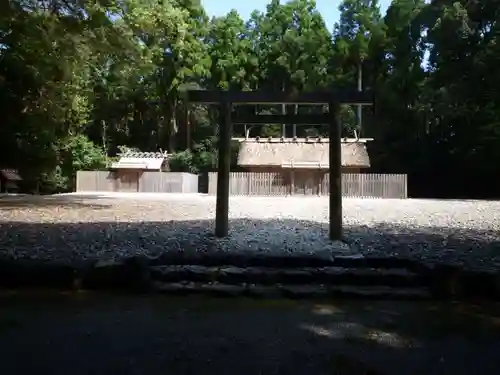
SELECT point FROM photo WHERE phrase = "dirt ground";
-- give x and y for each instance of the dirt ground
(50, 333)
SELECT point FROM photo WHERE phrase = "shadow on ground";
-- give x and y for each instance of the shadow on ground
(15, 202)
(247, 236)
(159, 335)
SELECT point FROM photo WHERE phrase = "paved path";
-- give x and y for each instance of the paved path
(49, 334)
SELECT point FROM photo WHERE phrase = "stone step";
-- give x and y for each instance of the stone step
(282, 261)
(137, 274)
(381, 262)
(291, 291)
(271, 276)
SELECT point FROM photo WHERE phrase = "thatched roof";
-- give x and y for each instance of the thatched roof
(140, 160)
(10, 174)
(300, 153)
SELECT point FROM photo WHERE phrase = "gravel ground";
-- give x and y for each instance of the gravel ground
(77, 227)
(106, 334)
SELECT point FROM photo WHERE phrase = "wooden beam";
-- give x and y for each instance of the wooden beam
(223, 172)
(310, 119)
(335, 183)
(279, 97)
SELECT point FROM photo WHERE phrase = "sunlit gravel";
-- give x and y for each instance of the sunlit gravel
(75, 227)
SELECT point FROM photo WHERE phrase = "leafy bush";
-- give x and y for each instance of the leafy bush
(84, 154)
(182, 162)
(53, 181)
(78, 154)
(202, 157)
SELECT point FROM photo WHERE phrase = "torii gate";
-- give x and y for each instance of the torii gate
(333, 99)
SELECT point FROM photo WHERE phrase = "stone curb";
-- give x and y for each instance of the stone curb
(138, 274)
(292, 261)
(398, 277)
(292, 291)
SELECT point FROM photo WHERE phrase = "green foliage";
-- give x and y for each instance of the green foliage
(123, 149)
(84, 154)
(182, 162)
(203, 157)
(80, 79)
(53, 181)
(77, 153)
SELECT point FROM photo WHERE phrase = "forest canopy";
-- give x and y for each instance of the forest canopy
(80, 80)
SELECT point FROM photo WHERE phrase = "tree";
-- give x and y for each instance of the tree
(358, 37)
(80, 79)
(293, 48)
(400, 121)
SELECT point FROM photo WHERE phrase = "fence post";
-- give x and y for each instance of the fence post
(405, 182)
(248, 178)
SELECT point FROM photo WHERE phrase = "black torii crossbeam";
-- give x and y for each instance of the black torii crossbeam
(332, 98)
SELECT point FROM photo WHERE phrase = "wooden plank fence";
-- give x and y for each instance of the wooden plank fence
(354, 185)
(146, 182)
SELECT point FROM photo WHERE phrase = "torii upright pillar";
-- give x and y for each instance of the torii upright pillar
(222, 201)
(334, 98)
(335, 169)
